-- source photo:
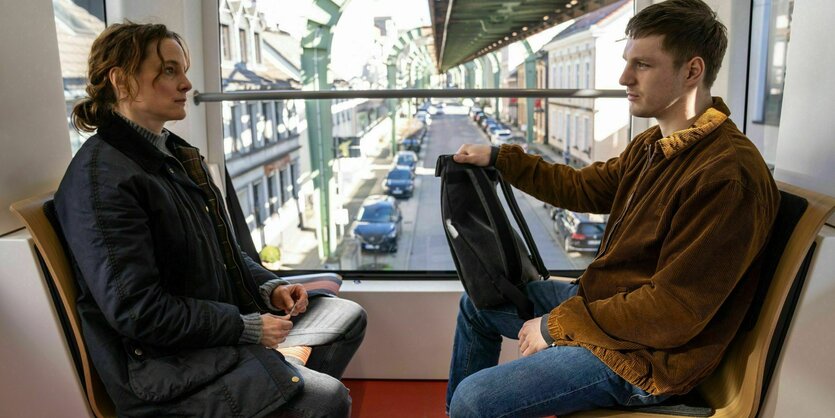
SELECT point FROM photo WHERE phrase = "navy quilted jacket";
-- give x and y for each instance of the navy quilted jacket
(159, 303)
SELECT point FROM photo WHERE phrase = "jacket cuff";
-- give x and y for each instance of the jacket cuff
(494, 154)
(253, 328)
(266, 290)
(543, 328)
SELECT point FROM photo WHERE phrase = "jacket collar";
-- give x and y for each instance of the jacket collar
(681, 140)
(120, 135)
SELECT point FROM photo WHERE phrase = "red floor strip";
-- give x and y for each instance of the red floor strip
(397, 398)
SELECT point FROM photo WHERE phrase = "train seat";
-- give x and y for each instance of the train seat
(738, 386)
(38, 215)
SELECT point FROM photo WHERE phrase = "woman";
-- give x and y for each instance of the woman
(175, 315)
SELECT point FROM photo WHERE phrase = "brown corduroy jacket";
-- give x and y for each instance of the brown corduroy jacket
(678, 264)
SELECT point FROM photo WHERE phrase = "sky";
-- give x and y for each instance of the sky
(352, 41)
(353, 35)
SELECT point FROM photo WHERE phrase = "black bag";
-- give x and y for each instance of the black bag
(491, 259)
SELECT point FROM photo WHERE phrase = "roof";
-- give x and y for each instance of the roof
(590, 19)
(76, 30)
(269, 78)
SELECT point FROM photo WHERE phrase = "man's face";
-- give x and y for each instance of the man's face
(654, 86)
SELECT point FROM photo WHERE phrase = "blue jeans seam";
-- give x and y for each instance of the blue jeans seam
(511, 413)
(637, 396)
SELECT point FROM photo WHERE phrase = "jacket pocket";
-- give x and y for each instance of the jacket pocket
(164, 378)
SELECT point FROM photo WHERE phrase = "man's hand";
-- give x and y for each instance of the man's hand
(475, 154)
(291, 298)
(275, 329)
(530, 338)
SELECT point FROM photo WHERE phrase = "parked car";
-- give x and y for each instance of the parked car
(579, 231)
(523, 142)
(399, 182)
(486, 122)
(423, 116)
(407, 159)
(473, 111)
(378, 224)
(411, 144)
(500, 136)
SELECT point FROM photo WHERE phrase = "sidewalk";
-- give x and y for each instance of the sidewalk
(548, 152)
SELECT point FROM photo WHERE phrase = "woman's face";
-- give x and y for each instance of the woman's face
(161, 87)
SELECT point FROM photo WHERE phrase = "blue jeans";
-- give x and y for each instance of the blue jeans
(554, 381)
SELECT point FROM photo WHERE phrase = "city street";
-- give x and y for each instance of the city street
(422, 244)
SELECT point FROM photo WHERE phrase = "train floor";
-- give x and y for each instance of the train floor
(397, 398)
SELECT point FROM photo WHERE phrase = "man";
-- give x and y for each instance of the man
(691, 203)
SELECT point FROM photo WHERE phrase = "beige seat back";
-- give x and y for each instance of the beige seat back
(37, 214)
(738, 385)
(61, 282)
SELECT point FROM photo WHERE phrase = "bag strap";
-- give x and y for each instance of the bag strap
(504, 236)
(523, 226)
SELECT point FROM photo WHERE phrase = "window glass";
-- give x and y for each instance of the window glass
(376, 213)
(226, 48)
(243, 51)
(371, 178)
(591, 229)
(770, 30)
(77, 24)
(257, 47)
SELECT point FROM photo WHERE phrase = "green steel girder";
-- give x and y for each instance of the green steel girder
(467, 29)
(410, 40)
(469, 75)
(530, 83)
(491, 74)
(316, 44)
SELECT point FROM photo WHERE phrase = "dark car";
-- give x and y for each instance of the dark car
(378, 224)
(399, 182)
(411, 144)
(579, 231)
(405, 159)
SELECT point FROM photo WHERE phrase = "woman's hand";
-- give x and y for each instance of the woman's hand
(275, 329)
(291, 298)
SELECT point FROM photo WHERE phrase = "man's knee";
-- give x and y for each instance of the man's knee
(336, 402)
(466, 309)
(340, 404)
(358, 327)
(470, 399)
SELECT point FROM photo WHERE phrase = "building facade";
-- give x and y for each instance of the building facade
(264, 141)
(587, 55)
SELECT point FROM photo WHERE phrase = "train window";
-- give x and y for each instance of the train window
(770, 30)
(77, 24)
(281, 143)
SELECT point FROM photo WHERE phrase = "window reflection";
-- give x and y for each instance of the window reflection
(771, 30)
(77, 24)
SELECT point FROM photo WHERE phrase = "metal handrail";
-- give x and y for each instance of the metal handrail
(256, 95)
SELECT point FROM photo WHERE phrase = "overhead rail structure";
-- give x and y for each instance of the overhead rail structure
(405, 93)
(467, 29)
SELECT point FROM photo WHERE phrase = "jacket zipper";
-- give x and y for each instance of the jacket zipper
(647, 164)
(255, 300)
(235, 257)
